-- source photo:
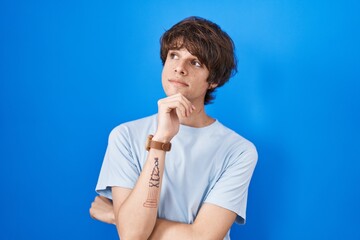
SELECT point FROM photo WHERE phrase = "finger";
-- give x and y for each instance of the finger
(188, 106)
(186, 102)
(180, 108)
(171, 104)
(92, 214)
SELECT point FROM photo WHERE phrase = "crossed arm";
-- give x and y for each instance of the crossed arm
(134, 211)
(212, 222)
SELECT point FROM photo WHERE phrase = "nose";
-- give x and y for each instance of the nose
(180, 68)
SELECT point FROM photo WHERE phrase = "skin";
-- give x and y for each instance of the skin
(102, 209)
(184, 82)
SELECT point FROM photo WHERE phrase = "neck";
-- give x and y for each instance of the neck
(197, 119)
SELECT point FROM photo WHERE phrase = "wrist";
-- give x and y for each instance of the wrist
(161, 138)
(157, 144)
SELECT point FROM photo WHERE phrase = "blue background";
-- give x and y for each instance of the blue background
(70, 71)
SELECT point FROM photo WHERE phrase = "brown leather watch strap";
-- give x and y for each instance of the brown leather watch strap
(157, 145)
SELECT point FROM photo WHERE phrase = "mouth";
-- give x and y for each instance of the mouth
(178, 83)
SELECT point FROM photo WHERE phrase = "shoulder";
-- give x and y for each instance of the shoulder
(236, 144)
(134, 127)
(230, 136)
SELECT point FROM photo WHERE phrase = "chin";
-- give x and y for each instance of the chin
(172, 91)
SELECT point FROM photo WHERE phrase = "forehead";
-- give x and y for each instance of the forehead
(181, 44)
(197, 48)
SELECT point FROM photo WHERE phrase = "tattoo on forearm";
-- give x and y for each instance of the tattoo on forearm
(154, 184)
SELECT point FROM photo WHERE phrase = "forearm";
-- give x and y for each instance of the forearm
(165, 229)
(212, 222)
(136, 217)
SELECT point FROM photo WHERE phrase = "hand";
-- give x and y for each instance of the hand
(102, 210)
(170, 109)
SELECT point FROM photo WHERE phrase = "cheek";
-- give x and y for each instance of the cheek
(205, 77)
(166, 69)
(163, 77)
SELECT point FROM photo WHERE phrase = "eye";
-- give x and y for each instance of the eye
(196, 63)
(173, 55)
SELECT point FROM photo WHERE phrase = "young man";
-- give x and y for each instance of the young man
(191, 181)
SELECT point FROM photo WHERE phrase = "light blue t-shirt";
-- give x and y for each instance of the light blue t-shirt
(212, 164)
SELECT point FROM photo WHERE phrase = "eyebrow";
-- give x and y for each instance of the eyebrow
(193, 57)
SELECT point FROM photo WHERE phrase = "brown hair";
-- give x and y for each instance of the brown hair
(209, 43)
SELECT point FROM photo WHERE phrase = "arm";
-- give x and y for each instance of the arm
(206, 225)
(212, 222)
(102, 209)
(136, 214)
(136, 210)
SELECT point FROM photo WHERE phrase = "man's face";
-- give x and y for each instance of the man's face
(184, 73)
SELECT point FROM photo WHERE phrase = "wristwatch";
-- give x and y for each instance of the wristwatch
(157, 145)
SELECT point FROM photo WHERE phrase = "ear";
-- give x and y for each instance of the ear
(212, 85)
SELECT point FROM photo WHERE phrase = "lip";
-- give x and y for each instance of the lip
(178, 83)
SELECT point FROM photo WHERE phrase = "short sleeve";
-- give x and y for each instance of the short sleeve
(119, 167)
(231, 189)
